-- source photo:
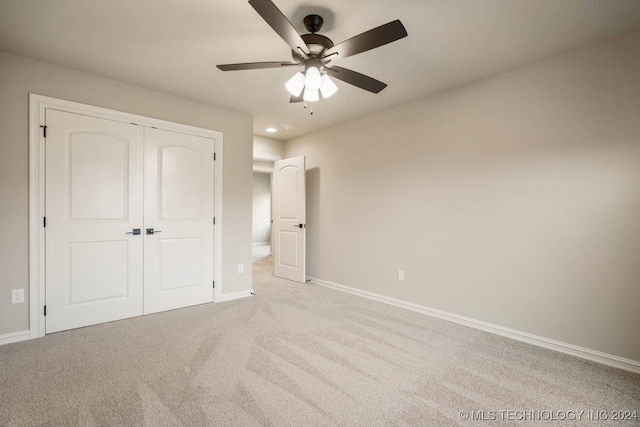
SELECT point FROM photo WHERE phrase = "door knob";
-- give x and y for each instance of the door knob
(301, 225)
(135, 232)
(151, 231)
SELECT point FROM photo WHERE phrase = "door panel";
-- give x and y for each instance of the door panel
(288, 186)
(104, 265)
(288, 249)
(180, 182)
(98, 175)
(179, 172)
(180, 263)
(289, 219)
(93, 198)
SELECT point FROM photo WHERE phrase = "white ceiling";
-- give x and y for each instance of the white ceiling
(174, 46)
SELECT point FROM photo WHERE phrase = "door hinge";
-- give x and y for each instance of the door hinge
(214, 220)
(214, 284)
(44, 221)
(214, 156)
(44, 132)
(45, 310)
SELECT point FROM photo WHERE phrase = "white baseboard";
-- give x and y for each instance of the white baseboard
(260, 244)
(14, 337)
(574, 350)
(235, 295)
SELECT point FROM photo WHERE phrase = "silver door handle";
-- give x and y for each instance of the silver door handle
(151, 231)
(301, 225)
(135, 232)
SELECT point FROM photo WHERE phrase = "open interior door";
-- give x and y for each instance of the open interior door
(289, 219)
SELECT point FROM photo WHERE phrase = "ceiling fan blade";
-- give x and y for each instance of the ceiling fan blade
(371, 39)
(280, 24)
(255, 65)
(356, 79)
(294, 99)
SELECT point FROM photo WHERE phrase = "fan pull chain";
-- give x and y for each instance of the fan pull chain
(311, 106)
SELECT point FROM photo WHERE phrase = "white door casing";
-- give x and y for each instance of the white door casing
(93, 199)
(179, 207)
(289, 219)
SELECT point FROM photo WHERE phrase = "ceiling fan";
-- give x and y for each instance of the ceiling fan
(315, 52)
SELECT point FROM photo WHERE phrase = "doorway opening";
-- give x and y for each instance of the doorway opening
(262, 248)
(261, 225)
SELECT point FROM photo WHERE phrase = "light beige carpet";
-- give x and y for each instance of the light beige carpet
(297, 355)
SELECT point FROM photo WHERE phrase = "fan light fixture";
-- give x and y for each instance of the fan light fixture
(328, 87)
(312, 79)
(311, 95)
(295, 84)
(313, 83)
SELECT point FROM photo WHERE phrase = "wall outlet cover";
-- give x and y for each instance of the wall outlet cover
(17, 296)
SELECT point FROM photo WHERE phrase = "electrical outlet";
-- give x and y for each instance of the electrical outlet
(400, 274)
(240, 268)
(17, 296)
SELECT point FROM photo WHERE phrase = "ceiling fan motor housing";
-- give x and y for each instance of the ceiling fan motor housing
(313, 23)
(316, 44)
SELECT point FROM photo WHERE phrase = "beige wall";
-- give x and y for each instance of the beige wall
(268, 146)
(263, 146)
(20, 76)
(514, 200)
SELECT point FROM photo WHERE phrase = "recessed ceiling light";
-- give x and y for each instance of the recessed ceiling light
(271, 130)
(287, 126)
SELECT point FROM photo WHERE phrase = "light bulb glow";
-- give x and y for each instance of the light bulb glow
(312, 80)
(311, 95)
(328, 87)
(295, 84)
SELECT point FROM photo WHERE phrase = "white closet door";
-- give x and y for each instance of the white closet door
(94, 198)
(178, 218)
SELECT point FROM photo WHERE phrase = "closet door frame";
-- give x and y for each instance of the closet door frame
(38, 104)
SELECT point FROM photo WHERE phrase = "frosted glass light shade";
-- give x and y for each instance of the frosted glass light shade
(311, 95)
(328, 87)
(295, 84)
(312, 81)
